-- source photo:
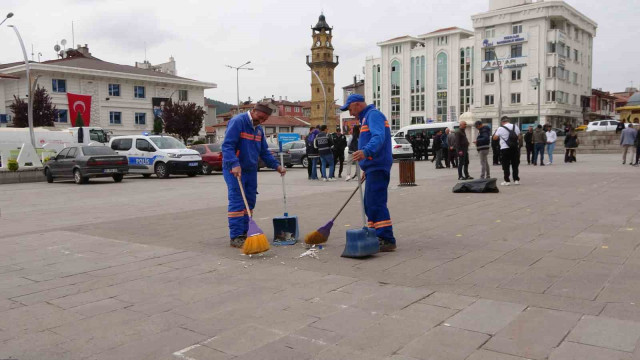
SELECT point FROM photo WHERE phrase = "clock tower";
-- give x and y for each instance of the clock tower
(322, 62)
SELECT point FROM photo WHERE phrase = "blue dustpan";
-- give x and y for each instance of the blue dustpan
(361, 242)
(285, 228)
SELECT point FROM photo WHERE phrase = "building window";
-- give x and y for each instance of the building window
(441, 106)
(138, 92)
(551, 47)
(395, 78)
(575, 78)
(417, 120)
(551, 71)
(395, 95)
(489, 54)
(395, 113)
(443, 40)
(115, 117)
(183, 95)
(516, 75)
(576, 56)
(515, 98)
(516, 28)
(516, 50)
(296, 109)
(287, 109)
(489, 33)
(551, 96)
(489, 77)
(575, 99)
(396, 49)
(442, 72)
(114, 89)
(376, 86)
(61, 116)
(59, 85)
(140, 119)
(488, 100)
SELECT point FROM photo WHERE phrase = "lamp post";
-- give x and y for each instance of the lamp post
(536, 82)
(9, 15)
(238, 68)
(29, 90)
(499, 85)
(324, 94)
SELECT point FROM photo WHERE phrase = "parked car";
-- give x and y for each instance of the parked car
(559, 132)
(81, 163)
(211, 157)
(581, 128)
(602, 125)
(298, 152)
(401, 148)
(275, 149)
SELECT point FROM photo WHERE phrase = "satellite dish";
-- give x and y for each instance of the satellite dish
(63, 42)
(56, 48)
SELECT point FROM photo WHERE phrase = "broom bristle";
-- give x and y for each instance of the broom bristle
(255, 244)
(315, 238)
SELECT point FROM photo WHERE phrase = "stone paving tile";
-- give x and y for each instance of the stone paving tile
(392, 298)
(541, 275)
(456, 269)
(348, 321)
(274, 351)
(99, 307)
(534, 333)
(572, 351)
(37, 318)
(624, 287)
(36, 342)
(622, 311)
(244, 339)
(310, 340)
(444, 343)
(486, 316)
(340, 353)
(482, 354)
(585, 281)
(451, 301)
(493, 274)
(606, 332)
(89, 325)
(204, 353)
(521, 257)
(572, 251)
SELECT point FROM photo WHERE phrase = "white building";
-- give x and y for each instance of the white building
(122, 96)
(440, 75)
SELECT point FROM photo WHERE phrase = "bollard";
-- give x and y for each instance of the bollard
(407, 172)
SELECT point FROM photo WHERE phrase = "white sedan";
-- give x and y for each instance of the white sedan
(401, 148)
(602, 125)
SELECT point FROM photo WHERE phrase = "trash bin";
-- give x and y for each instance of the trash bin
(407, 172)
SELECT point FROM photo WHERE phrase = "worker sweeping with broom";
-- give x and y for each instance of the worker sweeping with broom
(243, 144)
(375, 158)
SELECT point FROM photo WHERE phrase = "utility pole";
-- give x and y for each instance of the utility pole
(536, 82)
(324, 93)
(238, 68)
(29, 91)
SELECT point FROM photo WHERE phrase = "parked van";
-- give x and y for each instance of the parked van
(429, 129)
(157, 154)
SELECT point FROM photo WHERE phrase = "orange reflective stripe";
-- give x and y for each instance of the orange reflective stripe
(370, 224)
(247, 136)
(233, 214)
(381, 224)
(386, 123)
(258, 138)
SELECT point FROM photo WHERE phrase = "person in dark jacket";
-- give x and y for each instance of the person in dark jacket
(425, 145)
(637, 144)
(621, 126)
(437, 149)
(539, 141)
(483, 143)
(323, 143)
(462, 148)
(570, 145)
(312, 154)
(495, 148)
(445, 148)
(339, 145)
(353, 147)
(414, 147)
(528, 143)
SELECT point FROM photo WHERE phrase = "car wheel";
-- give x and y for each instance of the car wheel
(47, 173)
(192, 174)
(146, 176)
(305, 162)
(161, 171)
(78, 178)
(288, 166)
(206, 169)
(118, 178)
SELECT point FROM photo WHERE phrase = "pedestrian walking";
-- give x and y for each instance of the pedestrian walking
(339, 145)
(312, 154)
(462, 148)
(528, 143)
(244, 143)
(353, 147)
(637, 145)
(483, 144)
(451, 141)
(539, 140)
(426, 142)
(495, 149)
(445, 148)
(437, 149)
(621, 126)
(571, 145)
(375, 159)
(508, 134)
(627, 140)
(414, 147)
(552, 137)
(323, 143)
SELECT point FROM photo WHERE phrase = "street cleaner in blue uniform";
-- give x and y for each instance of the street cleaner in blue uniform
(375, 158)
(243, 143)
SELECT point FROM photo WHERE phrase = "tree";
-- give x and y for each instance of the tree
(157, 125)
(44, 112)
(182, 120)
(79, 120)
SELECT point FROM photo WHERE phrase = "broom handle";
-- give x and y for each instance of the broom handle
(246, 204)
(284, 191)
(346, 202)
(364, 220)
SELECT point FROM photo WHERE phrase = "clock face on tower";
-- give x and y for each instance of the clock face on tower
(318, 43)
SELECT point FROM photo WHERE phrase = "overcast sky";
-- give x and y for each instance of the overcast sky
(274, 35)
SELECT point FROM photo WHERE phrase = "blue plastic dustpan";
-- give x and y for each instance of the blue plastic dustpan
(285, 230)
(361, 243)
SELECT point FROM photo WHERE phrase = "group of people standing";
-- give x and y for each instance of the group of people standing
(630, 139)
(327, 150)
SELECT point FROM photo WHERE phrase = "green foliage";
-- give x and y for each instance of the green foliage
(157, 126)
(44, 112)
(79, 120)
(12, 165)
(183, 119)
(221, 107)
(198, 142)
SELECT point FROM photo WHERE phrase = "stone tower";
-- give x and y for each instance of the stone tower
(322, 62)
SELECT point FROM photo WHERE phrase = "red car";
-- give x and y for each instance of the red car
(211, 157)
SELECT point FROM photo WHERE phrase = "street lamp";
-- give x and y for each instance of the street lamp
(499, 85)
(9, 15)
(238, 68)
(324, 94)
(535, 82)
(29, 90)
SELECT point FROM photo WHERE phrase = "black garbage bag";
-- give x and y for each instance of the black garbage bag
(477, 186)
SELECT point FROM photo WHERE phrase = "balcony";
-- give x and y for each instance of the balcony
(322, 59)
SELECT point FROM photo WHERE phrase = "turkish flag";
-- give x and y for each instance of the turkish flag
(79, 104)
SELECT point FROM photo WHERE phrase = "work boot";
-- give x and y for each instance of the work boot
(386, 246)
(238, 241)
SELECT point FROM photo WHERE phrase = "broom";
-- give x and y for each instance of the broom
(256, 241)
(322, 234)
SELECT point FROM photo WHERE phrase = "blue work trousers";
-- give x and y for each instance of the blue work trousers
(327, 160)
(375, 204)
(237, 213)
(313, 162)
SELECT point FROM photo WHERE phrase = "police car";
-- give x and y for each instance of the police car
(157, 154)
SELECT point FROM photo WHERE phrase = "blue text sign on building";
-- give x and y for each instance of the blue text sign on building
(284, 138)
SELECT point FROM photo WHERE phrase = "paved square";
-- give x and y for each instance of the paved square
(549, 269)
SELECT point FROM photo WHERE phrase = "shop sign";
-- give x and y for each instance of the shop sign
(510, 63)
(505, 40)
